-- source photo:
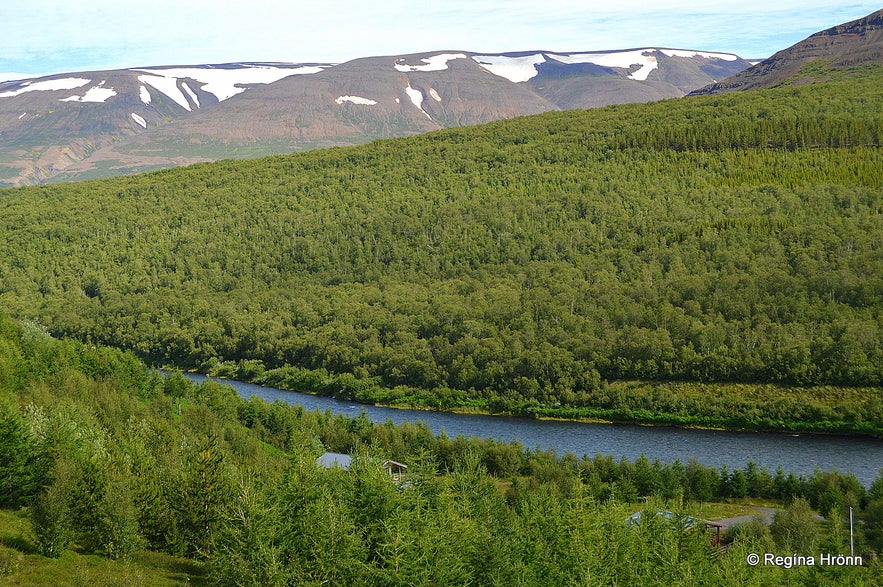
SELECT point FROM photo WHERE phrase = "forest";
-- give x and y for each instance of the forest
(112, 473)
(710, 261)
(703, 261)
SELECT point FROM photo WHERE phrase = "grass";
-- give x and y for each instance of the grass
(732, 509)
(22, 565)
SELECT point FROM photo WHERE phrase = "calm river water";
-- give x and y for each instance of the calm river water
(800, 454)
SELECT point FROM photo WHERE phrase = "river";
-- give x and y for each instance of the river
(863, 457)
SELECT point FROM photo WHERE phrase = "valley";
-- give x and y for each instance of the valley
(522, 266)
(518, 242)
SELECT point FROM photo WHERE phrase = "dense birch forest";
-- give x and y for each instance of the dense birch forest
(608, 263)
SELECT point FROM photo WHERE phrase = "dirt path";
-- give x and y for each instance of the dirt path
(766, 513)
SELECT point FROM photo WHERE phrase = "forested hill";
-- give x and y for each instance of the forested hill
(720, 238)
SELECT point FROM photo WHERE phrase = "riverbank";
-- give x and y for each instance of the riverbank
(798, 453)
(737, 407)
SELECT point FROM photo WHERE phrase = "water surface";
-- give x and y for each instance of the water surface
(863, 457)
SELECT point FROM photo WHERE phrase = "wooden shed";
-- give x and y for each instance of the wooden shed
(395, 469)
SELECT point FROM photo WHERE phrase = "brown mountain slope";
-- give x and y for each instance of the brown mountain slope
(126, 121)
(840, 47)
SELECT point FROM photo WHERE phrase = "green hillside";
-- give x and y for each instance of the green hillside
(111, 474)
(520, 266)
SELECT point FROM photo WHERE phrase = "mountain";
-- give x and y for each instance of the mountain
(101, 123)
(841, 47)
(50, 123)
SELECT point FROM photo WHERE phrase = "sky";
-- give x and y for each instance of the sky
(39, 37)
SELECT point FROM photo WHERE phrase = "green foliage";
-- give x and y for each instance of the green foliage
(249, 551)
(794, 528)
(831, 493)
(873, 530)
(517, 266)
(204, 491)
(755, 533)
(51, 513)
(118, 529)
(235, 482)
(23, 466)
(21, 563)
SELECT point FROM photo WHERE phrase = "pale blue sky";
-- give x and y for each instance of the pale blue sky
(50, 36)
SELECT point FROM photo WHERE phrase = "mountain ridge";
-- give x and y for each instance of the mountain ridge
(837, 48)
(164, 116)
(127, 121)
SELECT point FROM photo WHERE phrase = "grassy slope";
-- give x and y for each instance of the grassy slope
(21, 565)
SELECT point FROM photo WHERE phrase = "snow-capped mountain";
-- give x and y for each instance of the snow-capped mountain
(101, 123)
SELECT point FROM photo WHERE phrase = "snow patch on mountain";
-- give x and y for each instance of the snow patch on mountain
(50, 85)
(620, 59)
(356, 100)
(23, 114)
(97, 94)
(522, 68)
(168, 86)
(145, 95)
(224, 83)
(434, 63)
(190, 93)
(434, 95)
(514, 69)
(140, 120)
(417, 99)
(705, 54)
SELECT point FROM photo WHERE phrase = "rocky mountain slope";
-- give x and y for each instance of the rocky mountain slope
(845, 46)
(94, 124)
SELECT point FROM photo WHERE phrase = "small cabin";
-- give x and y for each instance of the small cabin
(395, 469)
(331, 460)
